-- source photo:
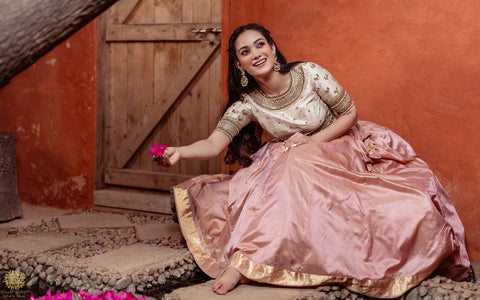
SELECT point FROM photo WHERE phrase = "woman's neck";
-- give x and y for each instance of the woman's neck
(275, 84)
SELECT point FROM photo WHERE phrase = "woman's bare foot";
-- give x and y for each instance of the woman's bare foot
(228, 281)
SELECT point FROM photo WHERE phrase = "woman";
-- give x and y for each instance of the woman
(328, 200)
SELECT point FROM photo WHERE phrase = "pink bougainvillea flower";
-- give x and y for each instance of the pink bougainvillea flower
(157, 150)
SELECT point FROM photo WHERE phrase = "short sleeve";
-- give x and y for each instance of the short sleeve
(234, 119)
(330, 90)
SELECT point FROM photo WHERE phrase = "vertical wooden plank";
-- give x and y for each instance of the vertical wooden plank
(202, 11)
(215, 104)
(168, 61)
(140, 82)
(115, 119)
(143, 12)
(140, 94)
(168, 11)
(187, 11)
(194, 106)
(183, 129)
(216, 14)
(216, 94)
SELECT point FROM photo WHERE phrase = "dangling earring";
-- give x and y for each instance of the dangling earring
(276, 65)
(243, 79)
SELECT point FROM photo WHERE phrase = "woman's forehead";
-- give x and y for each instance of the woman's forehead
(248, 38)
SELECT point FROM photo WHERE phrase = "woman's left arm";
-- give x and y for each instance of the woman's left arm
(341, 125)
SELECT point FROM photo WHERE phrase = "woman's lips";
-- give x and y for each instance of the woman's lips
(260, 63)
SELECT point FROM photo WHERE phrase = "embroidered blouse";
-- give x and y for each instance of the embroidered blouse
(313, 101)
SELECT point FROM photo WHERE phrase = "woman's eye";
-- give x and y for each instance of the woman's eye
(244, 52)
(260, 44)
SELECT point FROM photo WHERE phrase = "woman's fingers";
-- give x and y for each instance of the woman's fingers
(165, 158)
(295, 140)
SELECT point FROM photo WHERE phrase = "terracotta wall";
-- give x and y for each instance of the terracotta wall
(52, 108)
(413, 66)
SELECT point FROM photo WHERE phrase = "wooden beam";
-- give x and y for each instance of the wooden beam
(29, 29)
(122, 154)
(157, 203)
(161, 32)
(123, 11)
(143, 179)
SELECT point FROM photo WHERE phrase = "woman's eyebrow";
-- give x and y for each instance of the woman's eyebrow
(259, 39)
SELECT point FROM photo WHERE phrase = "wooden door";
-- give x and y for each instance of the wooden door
(161, 83)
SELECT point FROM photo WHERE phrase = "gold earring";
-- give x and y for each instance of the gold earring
(243, 79)
(276, 65)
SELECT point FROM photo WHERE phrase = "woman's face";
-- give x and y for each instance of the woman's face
(254, 54)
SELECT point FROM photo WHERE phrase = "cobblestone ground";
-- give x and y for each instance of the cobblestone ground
(62, 269)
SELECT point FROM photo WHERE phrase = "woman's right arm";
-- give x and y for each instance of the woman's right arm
(202, 149)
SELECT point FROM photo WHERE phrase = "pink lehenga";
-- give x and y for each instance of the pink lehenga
(362, 211)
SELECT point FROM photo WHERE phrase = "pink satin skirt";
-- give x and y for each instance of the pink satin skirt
(361, 211)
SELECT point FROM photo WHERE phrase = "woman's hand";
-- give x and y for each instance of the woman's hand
(170, 157)
(295, 140)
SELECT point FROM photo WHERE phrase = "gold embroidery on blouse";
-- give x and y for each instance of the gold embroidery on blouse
(317, 76)
(325, 77)
(327, 90)
(228, 126)
(343, 94)
(342, 104)
(286, 99)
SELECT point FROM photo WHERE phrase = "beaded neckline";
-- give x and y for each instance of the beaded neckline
(285, 99)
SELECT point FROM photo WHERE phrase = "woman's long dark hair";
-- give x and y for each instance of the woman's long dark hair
(248, 141)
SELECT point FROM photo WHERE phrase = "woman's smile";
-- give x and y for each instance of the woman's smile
(260, 63)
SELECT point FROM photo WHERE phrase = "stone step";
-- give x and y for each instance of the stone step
(252, 291)
(32, 216)
(150, 232)
(39, 242)
(136, 257)
(93, 220)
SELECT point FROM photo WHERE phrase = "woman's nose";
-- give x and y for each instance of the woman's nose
(255, 54)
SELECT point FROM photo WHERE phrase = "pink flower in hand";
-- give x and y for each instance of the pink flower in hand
(157, 151)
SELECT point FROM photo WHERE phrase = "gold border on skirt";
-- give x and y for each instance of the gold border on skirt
(383, 288)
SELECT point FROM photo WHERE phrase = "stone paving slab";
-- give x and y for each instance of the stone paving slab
(39, 242)
(93, 220)
(32, 215)
(244, 291)
(153, 231)
(137, 256)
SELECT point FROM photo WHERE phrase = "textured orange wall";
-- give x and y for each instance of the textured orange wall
(52, 108)
(413, 66)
